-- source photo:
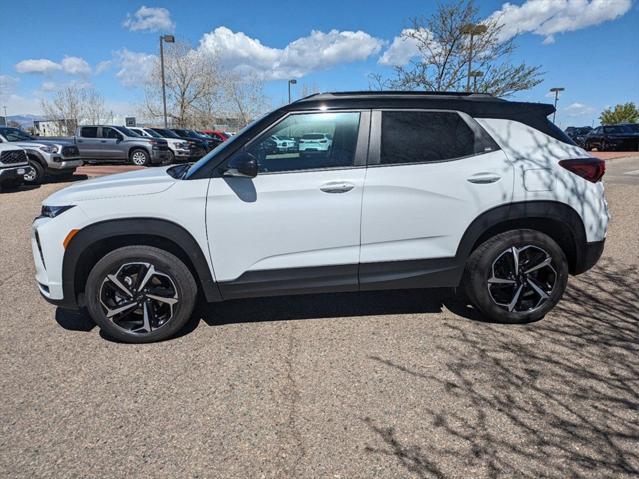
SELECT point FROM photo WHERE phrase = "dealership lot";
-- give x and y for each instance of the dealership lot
(405, 383)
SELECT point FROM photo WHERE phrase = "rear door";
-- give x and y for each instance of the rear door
(430, 174)
(88, 142)
(296, 226)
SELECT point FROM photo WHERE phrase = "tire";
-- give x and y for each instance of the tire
(494, 298)
(587, 146)
(36, 175)
(172, 281)
(139, 157)
(171, 159)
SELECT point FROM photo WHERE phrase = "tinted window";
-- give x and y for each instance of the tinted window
(14, 134)
(126, 131)
(321, 140)
(110, 133)
(89, 132)
(423, 136)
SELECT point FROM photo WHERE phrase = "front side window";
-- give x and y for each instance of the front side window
(110, 133)
(14, 134)
(315, 141)
(429, 136)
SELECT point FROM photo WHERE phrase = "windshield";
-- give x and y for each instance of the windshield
(223, 146)
(154, 134)
(14, 134)
(165, 133)
(126, 131)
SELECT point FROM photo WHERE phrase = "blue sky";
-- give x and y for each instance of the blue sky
(590, 47)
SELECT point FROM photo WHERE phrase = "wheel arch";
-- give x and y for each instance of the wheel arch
(34, 155)
(558, 220)
(91, 243)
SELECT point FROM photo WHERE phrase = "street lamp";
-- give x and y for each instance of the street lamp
(167, 39)
(291, 82)
(472, 29)
(556, 91)
(6, 122)
(475, 74)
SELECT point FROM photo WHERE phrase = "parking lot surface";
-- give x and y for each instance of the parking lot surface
(383, 384)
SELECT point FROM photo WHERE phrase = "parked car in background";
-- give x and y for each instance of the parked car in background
(414, 190)
(118, 143)
(624, 136)
(197, 146)
(578, 133)
(283, 143)
(179, 150)
(216, 134)
(14, 165)
(53, 157)
(315, 142)
(209, 143)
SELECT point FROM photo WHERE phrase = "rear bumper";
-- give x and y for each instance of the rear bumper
(589, 257)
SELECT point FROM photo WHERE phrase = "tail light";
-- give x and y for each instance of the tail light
(591, 169)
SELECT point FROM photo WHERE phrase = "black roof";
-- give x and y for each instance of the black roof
(475, 104)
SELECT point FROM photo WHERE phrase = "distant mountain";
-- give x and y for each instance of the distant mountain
(25, 121)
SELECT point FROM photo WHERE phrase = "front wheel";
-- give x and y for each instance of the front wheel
(140, 158)
(34, 174)
(140, 294)
(516, 277)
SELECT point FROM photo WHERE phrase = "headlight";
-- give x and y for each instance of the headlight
(183, 144)
(49, 148)
(53, 211)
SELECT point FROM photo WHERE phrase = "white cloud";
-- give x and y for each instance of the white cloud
(549, 17)
(76, 66)
(149, 19)
(103, 66)
(7, 85)
(49, 86)
(579, 109)
(406, 46)
(41, 65)
(318, 51)
(135, 68)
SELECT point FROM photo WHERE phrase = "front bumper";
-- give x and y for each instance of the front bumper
(159, 156)
(13, 172)
(61, 163)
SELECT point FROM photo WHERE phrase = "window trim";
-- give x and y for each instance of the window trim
(375, 148)
(361, 147)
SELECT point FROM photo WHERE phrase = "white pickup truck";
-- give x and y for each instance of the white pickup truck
(13, 165)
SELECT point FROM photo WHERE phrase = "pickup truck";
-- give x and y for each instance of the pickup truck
(118, 143)
(46, 156)
(13, 165)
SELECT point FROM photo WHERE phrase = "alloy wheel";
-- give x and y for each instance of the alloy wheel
(522, 279)
(138, 298)
(139, 158)
(31, 174)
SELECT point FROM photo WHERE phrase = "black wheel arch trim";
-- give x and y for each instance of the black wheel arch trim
(162, 229)
(526, 211)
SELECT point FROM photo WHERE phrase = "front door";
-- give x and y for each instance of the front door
(111, 144)
(296, 226)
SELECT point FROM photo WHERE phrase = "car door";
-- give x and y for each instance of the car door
(430, 174)
(88, 142)
(295, 227)
(111, 144)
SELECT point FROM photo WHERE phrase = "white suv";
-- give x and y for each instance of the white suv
(414, 191)
(315, 142)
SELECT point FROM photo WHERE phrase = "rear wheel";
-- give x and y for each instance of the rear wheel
(139, 157)
(140, 294)
(516, 277)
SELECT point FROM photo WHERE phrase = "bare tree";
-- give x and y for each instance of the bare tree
(244, 98)
(95, 111)
(67, 108)
(444, 52)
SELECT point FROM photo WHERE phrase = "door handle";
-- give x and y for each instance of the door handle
(484, 177)
(337, 187)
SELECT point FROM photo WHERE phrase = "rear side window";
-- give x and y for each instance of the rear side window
(89, 132)
(429, 136)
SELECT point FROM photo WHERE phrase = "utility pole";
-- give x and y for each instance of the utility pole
(556, 91)
(472, 29)
(6, 122)
(475, 74)
(290, 82)
(167, 39)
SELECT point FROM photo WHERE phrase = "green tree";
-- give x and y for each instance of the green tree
(626, 113)
(445, 50)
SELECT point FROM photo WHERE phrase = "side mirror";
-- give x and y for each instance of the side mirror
(242, 165)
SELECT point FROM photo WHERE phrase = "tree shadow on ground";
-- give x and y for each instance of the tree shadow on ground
(558, 398)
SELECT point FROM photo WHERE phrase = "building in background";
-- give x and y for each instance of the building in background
(53, 127)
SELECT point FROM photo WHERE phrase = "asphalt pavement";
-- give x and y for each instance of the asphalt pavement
(381, 384)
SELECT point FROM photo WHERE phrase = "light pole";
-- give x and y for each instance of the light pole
(167, 39)
(6, 122)
(475, 74)
(472, 29)
(556, 91)
(290, 82)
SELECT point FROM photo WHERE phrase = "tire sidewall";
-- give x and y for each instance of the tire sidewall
(477, 281)
(163, 261)
(38, 171)
(147, 159)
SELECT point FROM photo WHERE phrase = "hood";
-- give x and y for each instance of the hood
(38, 142)
(148, 181)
